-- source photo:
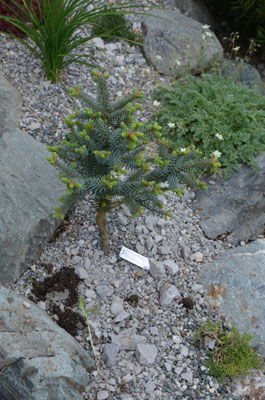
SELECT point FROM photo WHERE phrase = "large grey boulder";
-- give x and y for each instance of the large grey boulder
(173, 43)
(29, 188)
(234, 207)
(235, 282)
(38, 359)
(242, 72)
(197, 10)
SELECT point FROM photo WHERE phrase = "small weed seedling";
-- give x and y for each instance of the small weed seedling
(85, 313)
(232, 354)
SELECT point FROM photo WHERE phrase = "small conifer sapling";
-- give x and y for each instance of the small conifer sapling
(107, 154)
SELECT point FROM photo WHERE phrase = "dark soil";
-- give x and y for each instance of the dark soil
(66, 278)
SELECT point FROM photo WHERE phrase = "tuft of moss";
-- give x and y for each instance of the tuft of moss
(232, 354)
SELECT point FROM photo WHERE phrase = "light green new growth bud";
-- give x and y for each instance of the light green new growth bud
(62, 199)
(133, 138)
(124, 134)
(78, 86)
(89, 113)
(65, 180)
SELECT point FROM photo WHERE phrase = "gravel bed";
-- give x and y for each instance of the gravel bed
(127, 297)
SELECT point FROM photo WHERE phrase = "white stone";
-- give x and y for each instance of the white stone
(196, 287)
(184, 350)
(187, 376)
(157, 269)
(168, 295)
(110, 354)
(122, 316)
(34, 126)
(82, 273)
(26, 304)
(111, 46)
(198, 256)
(102, 395)
(117, 306)
(98, 42)
(119, 59)
(154, 330)
(146, 353)
(176, 339)
(128, 339)
(90, 294)
(171, 267)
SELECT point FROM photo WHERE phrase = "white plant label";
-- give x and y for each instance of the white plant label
(134, 258)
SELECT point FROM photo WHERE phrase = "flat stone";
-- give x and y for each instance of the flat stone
(187, 376)
(122, 316)
(167, 295)
(98, 42)
(175, 43)
(234, 207)
(29, 189)
(82, 273)
(146, 353)
(104, 290)
(110, 354)
(102, 395)
(196, 287)
(198, 257)
(171, 267)
(117, 306)
(128, 339)
(38, 359)
(157, 269)
(235, 283)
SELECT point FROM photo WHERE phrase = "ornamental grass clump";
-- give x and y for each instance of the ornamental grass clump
(221, 118)
(106, 154)
(54, 28)
(232, 355)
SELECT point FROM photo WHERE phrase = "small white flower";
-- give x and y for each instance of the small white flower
(147, 70)
(171, 125)
(156, 103)
(205, 27)
(178, 62)
(217, 154)
(204, 36)
(159, 57)
(208, 34)
(183, 150)
(220, 137)
(236, 48)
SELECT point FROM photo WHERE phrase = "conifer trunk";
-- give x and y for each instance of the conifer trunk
(103, 230)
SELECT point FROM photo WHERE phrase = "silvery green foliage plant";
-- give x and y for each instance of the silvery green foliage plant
(221, 118)
(108, 154)
(55, 30)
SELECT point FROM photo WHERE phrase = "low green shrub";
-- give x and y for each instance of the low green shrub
(221, 118)
(105, 154)
(232, 354)
(110, 26)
